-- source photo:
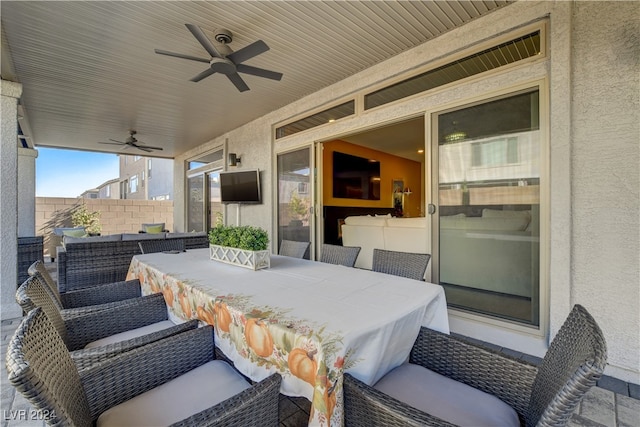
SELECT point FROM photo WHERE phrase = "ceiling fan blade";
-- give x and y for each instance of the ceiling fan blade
(180, 55)
(260, 72)
(238, 82)
(112, 143)
(204, 40)
(115, 140)
(248, 52)
(147, 147)
(142, 148)
(202, 75)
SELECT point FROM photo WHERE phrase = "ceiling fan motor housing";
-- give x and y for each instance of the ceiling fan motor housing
(222, 65)
(223, 36)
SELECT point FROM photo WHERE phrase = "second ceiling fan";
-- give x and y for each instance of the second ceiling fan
(224, 60)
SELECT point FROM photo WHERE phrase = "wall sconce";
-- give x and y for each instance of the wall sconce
(233, 159)
(407, 191)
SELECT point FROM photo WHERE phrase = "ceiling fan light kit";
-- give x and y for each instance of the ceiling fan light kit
(225, 61)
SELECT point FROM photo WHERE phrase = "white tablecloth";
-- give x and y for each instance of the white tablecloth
(339, 318)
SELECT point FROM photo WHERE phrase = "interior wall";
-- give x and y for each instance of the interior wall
(391, 168)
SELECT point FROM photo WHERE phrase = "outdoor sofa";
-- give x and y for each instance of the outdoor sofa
(90, 261)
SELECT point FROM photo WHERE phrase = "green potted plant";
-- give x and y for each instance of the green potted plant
(244, 246)
(82, 217)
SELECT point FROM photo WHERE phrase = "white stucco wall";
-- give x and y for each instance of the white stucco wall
(26, 195)
(10, 92)
(592, 75)
(606, 172)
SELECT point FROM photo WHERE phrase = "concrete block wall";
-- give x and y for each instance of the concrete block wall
(116, 215)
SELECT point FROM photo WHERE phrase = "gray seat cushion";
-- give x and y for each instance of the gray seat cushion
(445, 398)
(178, 399)
(133, 333)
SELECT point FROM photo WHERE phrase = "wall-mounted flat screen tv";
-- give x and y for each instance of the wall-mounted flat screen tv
(240, 187)
(355, 177)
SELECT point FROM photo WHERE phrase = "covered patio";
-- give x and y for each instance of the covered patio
(77, 74)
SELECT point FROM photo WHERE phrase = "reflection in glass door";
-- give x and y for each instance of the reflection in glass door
(294, 197)
(488, 192)
(216, 209)
(195, 203)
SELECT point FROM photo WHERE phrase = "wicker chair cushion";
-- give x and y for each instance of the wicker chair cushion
(445, 398)
(179, 398)
(133, 333)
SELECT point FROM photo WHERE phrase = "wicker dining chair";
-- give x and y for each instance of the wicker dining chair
(176, 381)
(452, 381)
(404, 264)
(161, 245)
(96, 335)
(85, 300)
(293, 249)
(340, 255)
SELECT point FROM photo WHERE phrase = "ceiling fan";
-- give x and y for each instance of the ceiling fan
(224, 60)
(131, 141)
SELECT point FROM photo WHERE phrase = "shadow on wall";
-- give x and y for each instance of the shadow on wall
(59, 218)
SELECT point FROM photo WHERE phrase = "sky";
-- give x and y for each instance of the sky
(69, 173)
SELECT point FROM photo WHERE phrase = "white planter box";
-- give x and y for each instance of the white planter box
(254, 260)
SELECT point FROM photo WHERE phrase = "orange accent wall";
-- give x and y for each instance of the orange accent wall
(391, 168)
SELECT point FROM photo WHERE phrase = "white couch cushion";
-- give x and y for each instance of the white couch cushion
(417, 222)
(372, 221)
(133, 333)
(445, 398)
(178, 399)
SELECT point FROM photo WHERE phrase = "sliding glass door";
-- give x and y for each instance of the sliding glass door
(295, 217)
(488, 217)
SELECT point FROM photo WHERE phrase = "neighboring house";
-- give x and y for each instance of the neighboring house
(146, 178)
(109, 189)
(91, 194)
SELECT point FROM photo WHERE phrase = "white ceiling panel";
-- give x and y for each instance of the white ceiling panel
(89, 71)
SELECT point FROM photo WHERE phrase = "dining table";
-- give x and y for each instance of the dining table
(308, 321)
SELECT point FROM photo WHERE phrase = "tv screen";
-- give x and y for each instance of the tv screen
(240, 187)
(355, 177)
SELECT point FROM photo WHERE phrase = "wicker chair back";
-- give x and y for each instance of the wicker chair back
(404, 264)
(574, 362)
(38, 268)
(39, 366)
(340, 255)
(35, 293)
(293, 249)
(160, 245)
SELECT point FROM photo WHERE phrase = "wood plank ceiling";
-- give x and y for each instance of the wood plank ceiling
(89, 71)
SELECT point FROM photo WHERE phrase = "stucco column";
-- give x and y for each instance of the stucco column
(27, 194)
(10, 92)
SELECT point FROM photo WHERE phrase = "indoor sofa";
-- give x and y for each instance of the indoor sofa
(87, 261)
(495, 252)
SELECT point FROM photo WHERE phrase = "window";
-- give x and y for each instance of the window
(149, 169)
(496, 152)
(506, 53)
(317, 119)
(136, 158)
(124, 187)
(133, 184)
(303, 187)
